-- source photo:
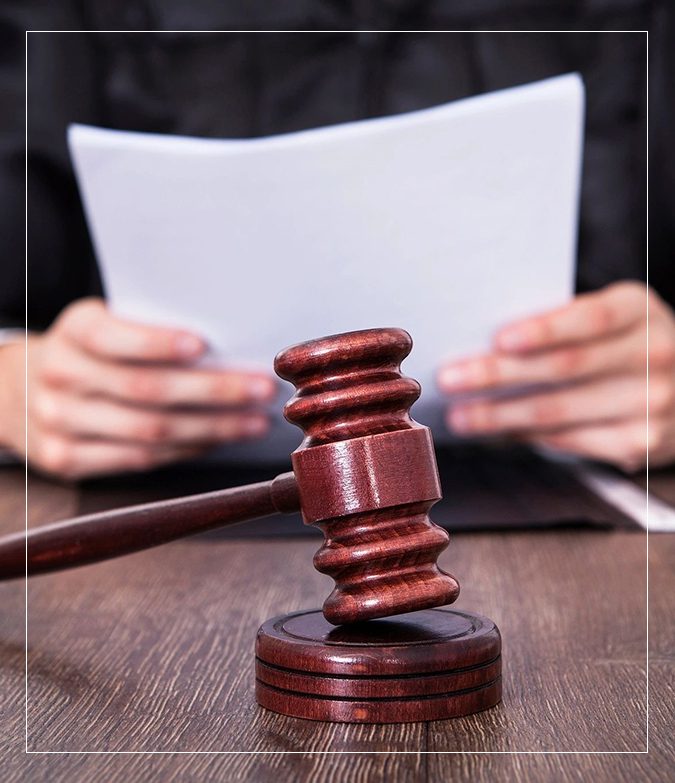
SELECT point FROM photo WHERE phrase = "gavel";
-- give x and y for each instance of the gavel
(365, 474)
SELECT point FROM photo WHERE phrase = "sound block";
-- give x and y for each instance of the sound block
(426, 665)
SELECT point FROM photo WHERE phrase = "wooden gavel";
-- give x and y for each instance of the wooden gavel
(365, 474)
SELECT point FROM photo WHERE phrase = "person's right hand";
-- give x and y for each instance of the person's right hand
(107, 395)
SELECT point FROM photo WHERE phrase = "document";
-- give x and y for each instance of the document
(448, 222)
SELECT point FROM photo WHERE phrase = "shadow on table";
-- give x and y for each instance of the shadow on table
(484, 488)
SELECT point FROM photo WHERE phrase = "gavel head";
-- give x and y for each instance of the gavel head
(366, 474)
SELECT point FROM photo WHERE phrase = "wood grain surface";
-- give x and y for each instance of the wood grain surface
(154, 652)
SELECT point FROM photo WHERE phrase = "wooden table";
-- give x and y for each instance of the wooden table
(154, 652)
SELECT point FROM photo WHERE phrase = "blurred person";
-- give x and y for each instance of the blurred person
(107, 395)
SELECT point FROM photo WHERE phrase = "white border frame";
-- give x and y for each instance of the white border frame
(325, 752)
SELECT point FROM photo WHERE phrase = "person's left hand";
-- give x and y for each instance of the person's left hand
(596, 351)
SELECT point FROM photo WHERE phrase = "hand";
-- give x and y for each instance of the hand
(107, 395)
(595, 350)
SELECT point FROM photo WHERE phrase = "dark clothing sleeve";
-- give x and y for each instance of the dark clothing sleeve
(60, 77)
(243, 85)
(662, 154)
(12, 146)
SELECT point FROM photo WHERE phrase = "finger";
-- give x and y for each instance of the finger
(110, 420)
(76, 459)
(67, 368)
(624, 443)
(625, 353)
(90, 325)
(594, 401)
(587, 317)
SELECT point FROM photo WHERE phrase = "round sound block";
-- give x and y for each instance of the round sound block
(428, 665)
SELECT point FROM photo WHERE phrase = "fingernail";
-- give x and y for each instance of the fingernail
(255, 426)
(460, 421)
(262, 388)
(454, 376)
(514, 339)
(189, 345)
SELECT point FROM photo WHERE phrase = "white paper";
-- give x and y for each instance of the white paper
(646, 509)
(448, 222)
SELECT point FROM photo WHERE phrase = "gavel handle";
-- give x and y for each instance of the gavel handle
(109, 534)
